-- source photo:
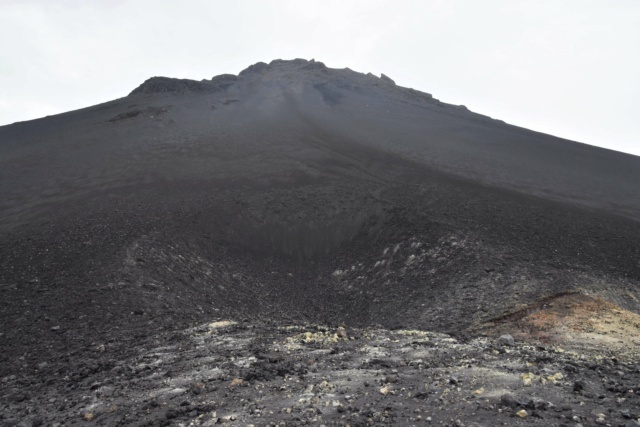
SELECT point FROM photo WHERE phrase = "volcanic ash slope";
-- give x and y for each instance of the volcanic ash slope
(295, 193)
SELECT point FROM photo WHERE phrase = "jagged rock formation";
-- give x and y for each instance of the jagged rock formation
(387, 79)
(181, 86)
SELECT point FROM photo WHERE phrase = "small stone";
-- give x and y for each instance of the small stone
(196, 388)
(342, 332)
(20, 397)
(541, 405)
(522, 413)
(55, 328)
(507, 340)
(236, 382)
(508, 400)
(527, 379)
(384, 390)
(571, 369)
(88, 416)
(100, 348)
(555, 378)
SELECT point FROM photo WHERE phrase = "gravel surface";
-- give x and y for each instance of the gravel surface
(240, 373)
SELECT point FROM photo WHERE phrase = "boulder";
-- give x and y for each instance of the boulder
(506, 339)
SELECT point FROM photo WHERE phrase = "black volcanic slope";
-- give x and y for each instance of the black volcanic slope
(296, 192)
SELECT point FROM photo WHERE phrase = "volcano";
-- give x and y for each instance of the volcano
(291, 194)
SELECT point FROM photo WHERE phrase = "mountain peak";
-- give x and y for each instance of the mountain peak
(287, 69)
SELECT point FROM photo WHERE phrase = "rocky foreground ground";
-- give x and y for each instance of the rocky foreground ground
(242, 373)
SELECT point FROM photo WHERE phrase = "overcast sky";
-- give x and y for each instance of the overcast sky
(568, 68)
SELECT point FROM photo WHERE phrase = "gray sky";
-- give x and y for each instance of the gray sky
(568, 68)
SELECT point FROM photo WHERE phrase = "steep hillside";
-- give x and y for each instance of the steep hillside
(297, 193)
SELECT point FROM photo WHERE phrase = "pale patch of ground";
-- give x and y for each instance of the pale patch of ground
(577, 322)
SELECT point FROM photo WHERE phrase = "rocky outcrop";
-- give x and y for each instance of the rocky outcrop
(387, 78)
(180, 86)
(170, 85)
(315, 65)
(416, 95)
(297, 61)
(225, 80)
(257, 68)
